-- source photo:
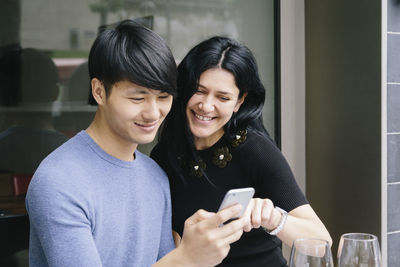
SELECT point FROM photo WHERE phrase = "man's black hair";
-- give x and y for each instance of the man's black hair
(133, 53)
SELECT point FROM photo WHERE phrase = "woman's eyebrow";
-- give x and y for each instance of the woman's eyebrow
(202, 86)
(222, 92)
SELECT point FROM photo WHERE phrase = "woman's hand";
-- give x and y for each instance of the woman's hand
(302, 222)
(261, 212)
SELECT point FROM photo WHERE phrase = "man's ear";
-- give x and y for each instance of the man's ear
(98, 91)
(239, 102)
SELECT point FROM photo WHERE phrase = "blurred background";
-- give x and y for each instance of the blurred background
(331, 70)
(44, 81)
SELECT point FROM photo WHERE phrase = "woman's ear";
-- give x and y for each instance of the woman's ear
(98, 91)
(239, 102)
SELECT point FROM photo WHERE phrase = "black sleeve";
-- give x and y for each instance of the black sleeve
(271, 173)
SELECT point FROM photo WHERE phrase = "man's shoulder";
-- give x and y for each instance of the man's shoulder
(64, 163)
(152, 167)
(62, 170)
(66, 153)
(149, 162)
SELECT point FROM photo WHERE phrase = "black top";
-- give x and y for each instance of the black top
(255, 162)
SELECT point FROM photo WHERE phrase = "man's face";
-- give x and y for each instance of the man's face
(134, 113)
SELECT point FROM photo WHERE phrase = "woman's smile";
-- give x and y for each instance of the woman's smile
(202, 118)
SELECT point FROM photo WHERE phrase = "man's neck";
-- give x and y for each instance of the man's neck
(110, 142)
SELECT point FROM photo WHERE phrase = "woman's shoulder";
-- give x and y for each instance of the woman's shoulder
(257, 143)
(260, 152)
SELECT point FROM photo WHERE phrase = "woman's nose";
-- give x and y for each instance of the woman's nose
(206, 106)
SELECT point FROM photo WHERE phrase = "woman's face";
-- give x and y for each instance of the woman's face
(212, 106)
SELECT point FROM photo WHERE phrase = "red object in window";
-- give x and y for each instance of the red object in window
(21, 183)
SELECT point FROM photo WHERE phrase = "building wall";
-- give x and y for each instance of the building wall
(393, 131)
(343, 114)
(292, 83)
(293, 87)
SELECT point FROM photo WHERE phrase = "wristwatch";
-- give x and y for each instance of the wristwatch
(281, 222)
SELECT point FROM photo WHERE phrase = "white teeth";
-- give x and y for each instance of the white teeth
(203, 118)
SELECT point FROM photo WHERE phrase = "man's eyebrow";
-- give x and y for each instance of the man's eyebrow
(137, 91)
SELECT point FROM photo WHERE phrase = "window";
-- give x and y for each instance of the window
(44, 83)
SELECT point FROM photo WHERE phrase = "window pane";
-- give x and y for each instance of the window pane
(44, 45)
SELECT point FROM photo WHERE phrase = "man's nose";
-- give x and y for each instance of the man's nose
(151, 112)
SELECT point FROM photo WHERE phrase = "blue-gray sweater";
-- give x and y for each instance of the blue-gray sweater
(87, 208)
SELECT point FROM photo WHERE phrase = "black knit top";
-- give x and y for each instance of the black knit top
(250, 161)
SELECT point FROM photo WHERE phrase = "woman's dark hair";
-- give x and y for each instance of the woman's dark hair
(217, 52)
(134, 53)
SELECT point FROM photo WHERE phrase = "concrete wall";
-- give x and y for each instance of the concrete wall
(293, 87)
(343, 114)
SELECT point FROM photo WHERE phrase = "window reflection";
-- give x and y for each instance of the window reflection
(33, 83)
(63, 32)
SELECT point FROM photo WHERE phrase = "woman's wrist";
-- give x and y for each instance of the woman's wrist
(281, 223)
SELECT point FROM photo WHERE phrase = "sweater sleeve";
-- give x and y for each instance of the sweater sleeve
(61, 231)
(271, 173)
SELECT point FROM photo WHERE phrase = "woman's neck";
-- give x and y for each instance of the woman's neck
(204, 143)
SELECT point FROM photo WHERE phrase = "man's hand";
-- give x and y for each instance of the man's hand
(204, 242)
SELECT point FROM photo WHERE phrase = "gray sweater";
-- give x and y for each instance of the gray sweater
(87, 208)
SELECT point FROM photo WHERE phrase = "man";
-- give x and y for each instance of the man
(96, 200)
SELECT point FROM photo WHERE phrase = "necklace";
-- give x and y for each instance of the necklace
(221, 156)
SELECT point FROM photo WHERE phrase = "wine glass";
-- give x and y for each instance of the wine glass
(310, 253)
(359, 250)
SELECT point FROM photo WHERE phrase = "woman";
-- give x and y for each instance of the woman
(214, 140)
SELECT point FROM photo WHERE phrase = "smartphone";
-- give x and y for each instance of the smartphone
(240, 196)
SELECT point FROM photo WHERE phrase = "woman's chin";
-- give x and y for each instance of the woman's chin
(201, 133)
